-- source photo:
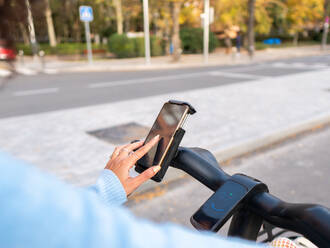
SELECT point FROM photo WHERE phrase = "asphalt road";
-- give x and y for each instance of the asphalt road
(295, 171)
(23, 95)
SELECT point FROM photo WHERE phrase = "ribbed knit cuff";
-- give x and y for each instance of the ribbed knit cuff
(110, 188)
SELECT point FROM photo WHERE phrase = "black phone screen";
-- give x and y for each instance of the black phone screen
(167, 122)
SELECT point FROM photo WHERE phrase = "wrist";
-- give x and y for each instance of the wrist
(110, 188)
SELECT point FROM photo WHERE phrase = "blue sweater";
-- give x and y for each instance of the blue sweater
(38, 211)
(109, 188)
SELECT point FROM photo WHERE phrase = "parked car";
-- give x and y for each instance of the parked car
(7, 52)
(273, 41)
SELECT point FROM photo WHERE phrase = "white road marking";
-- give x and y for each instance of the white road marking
(279, 64)
(236, 75)
(36, 92)
(50, 71)
(5, 73)
(246, 69)
(26, 71)
(171, 77)
(143, 80)
(300, 65)
(320, 65)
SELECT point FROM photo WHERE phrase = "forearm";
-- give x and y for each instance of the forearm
(37, 210)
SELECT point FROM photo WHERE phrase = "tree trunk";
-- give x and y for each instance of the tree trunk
(127, 24)
(325, 35)
(32, 34)
(119, 16)
(326, 25)
(167, 36)
(251, 7)
(77, 31)
(66, 21)
(24, 34)
(176, 31)
(296, 38)
(50, 25)
(228, 44)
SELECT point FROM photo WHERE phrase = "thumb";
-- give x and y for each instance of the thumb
(146, 175)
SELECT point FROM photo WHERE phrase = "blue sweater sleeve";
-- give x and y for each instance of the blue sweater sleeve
(109, 188)
(39, 211)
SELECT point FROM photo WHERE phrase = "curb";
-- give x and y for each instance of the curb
(247, 146)
(253, 144)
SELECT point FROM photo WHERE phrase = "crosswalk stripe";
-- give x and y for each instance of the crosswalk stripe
(300, 65)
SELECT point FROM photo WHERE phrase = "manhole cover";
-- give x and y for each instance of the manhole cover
(121, 134)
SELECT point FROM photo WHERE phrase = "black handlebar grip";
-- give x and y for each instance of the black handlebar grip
(310, 220)
(201, 165)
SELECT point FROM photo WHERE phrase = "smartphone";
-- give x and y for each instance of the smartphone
(170, 118)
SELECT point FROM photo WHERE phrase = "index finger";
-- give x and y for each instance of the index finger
(133, 146)
(144, 149)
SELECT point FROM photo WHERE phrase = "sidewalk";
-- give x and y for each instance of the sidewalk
(54, 65)
(230, 120)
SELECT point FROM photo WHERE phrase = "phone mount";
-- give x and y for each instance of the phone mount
(172, 151)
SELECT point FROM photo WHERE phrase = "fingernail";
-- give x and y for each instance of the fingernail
(156, 137)
(156, 168)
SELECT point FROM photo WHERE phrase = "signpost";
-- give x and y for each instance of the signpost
(86, 15)
(146, 31)
(206, 30)
(325, 32)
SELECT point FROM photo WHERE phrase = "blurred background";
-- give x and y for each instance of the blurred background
(117, 28)
(78, 78)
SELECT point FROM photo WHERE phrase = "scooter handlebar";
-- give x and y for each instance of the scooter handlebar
(312, 221)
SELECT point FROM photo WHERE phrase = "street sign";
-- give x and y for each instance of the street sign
(86, 13)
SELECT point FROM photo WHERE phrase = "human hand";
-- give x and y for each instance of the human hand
(123, 159)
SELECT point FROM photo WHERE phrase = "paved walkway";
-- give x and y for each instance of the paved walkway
(53, 65)
(228, 116)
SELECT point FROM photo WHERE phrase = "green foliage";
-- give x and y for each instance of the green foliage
(303, 13)
(229, 13)
(139, 46)
(192, 40)
(61, 49)
(262, 46)
(157, 46)
(124, 47)
(108, 31)
(214, 42)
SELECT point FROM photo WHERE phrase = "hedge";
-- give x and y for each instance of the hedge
(62, 48)
(192, 40)
(124, 47)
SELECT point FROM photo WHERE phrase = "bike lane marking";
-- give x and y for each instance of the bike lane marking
(36, 92)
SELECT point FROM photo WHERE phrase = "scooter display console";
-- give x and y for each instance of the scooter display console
(214, 213)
